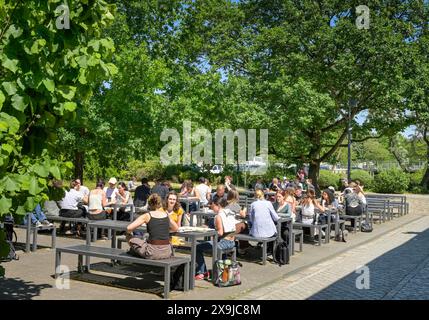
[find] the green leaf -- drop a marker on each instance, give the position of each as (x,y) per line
(82,77)
(5,205)
(2,99)
(29,204)
(67,92)
(55,172)
(9,184)
(21,210)
(7,147)
(108,43)
(14,31)
(41,170)
(11,64)
(34,186)
(37,45)
(18,102)
(10,87)
(49,84)
(70,106)
(69,164)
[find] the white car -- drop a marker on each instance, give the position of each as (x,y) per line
(216,169)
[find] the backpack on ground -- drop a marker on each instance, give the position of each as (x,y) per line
(10,235)
(365,227)
(281,253)
(177,280)
(227,273)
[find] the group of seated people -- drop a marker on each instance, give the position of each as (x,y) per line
(164,213)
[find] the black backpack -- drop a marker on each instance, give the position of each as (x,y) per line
(281,253)
(10,234)
(365,227)
(177,279)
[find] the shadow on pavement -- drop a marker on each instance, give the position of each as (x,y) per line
(18,289)
(385,273)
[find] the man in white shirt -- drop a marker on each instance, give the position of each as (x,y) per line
(111,190)
(69,205)
(204,191)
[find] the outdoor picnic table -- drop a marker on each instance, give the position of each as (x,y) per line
(113,225)
(116,225)
(282,219)
(193,236)
(187,201)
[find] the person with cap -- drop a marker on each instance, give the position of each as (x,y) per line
(111,190)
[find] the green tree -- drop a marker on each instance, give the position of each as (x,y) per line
(45,76)
(306,61)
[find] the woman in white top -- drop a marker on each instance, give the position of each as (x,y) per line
(123,198)
(97,201)
(309,204)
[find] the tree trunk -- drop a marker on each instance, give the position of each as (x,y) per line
(313,174)
(425,181)
(78,165)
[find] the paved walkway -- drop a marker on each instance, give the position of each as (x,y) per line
(397,265)
(317,272)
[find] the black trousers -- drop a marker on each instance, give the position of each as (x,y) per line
(69,213)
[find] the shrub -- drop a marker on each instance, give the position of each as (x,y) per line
(188,175)
(391,181)
(364,177)
(328,178)
(416,178)
(151,169)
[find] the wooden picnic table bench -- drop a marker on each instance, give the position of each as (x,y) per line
(121,255)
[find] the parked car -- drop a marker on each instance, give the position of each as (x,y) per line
(216,169)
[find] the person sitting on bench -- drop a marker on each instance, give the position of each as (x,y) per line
(97,201)
(262,218)
(355,202)
(309,204)
(225,227)
(159,225)
(69,206)
(38,218)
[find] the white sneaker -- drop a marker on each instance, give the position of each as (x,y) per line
(38,224)
(46,223)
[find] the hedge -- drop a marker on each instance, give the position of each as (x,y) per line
(328,178)
(364,177)
(391,181)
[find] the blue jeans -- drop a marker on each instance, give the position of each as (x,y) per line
(35,216)
(208,246)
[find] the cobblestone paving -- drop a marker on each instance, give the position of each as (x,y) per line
(398,265)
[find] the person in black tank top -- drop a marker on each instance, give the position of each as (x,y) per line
(158,225)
